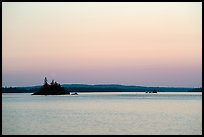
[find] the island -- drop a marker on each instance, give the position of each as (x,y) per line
(154,91)
(53,88)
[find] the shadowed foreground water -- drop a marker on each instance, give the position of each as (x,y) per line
(103,113)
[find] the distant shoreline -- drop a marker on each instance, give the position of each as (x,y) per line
(82,88)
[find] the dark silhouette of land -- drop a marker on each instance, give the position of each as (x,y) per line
(56,89)
(53,89)
(154,91)
(15,90)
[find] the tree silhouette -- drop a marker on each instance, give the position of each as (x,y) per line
(45,81)
(53,89)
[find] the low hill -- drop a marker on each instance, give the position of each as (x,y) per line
(121,88)
(103,88)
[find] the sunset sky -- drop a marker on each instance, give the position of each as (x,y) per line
(133,43)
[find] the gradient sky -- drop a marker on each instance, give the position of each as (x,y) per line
(146,44)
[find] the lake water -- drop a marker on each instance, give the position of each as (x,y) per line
(102,113)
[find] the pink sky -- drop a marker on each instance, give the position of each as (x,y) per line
(150,44)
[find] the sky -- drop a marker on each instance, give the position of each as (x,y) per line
(133,43)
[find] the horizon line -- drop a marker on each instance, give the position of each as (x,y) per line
(106,84)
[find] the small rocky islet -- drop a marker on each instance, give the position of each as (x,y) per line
(53,88)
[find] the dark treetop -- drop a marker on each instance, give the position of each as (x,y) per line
(51,89)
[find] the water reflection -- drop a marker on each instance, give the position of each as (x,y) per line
(102,113)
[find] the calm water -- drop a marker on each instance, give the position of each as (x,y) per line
(102,113)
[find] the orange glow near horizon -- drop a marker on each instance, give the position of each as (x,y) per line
(133,43)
